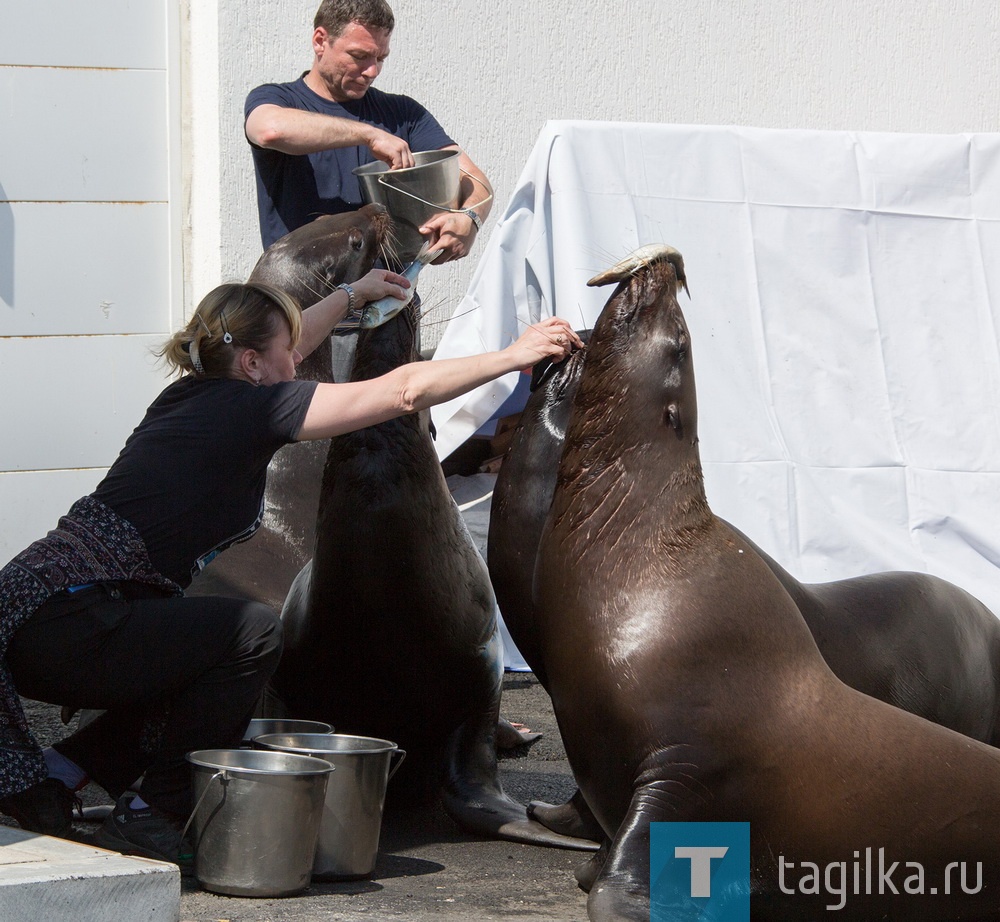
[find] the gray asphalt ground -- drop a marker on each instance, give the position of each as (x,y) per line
(426,869)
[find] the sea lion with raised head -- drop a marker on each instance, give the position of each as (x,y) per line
(685,681)
(391,629)
(914,640)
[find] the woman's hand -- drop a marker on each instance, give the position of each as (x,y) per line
(380,283)
(319,320)
(552,338)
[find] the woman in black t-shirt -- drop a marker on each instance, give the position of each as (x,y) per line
(93,615)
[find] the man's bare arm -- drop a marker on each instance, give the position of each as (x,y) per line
(293,131)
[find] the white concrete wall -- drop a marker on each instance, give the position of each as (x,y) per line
(89,242)
(494,72)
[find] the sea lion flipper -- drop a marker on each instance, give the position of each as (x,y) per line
(512,736)
(587,872)
(484,809)
(474,798)
(531,832)
(621,889)
(573,818)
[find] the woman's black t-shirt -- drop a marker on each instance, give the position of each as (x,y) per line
(191,476)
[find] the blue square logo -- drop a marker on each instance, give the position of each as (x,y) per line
(699,872)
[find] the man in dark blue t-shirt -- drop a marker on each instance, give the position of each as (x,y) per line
(309,135)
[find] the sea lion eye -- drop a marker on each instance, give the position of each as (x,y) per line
(672,417)
(357,240)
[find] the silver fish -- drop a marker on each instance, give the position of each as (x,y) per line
(378,312)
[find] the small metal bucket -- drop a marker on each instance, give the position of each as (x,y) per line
(352,814)
(261,725)
(414,194)
(256,820)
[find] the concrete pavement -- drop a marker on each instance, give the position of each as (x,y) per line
(55,880)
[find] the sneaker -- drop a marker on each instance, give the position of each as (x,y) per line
(45,808)
(147,832)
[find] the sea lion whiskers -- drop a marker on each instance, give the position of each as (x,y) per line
(635,262)
(319,295)
(428,308)
(435,323)
(599,256)
(389,247)
(642,259)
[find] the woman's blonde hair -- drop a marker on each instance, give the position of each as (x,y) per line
(231,316)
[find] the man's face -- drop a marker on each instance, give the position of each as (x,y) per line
(348,63)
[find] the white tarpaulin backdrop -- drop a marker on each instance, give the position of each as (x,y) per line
(844,314)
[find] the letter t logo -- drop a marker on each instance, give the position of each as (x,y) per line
(701,865)
(699,871)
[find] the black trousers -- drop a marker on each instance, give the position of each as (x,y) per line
(172,674)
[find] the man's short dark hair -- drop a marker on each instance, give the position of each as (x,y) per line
(336,15)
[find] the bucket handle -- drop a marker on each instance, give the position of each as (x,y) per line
(219,774)
(395,768)
(488,198)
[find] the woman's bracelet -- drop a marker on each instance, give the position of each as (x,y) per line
(350,295)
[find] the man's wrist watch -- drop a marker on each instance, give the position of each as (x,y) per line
(478,221)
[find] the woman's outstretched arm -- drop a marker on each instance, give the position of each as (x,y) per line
(339,408)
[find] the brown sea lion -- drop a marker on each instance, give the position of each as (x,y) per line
(308,263)
(391,629)
(911,639)
(685,681)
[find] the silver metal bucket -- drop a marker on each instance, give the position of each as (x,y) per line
(256,820)
(414,194)
(261,725)
(355,796)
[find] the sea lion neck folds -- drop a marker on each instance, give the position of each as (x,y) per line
(635,404)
